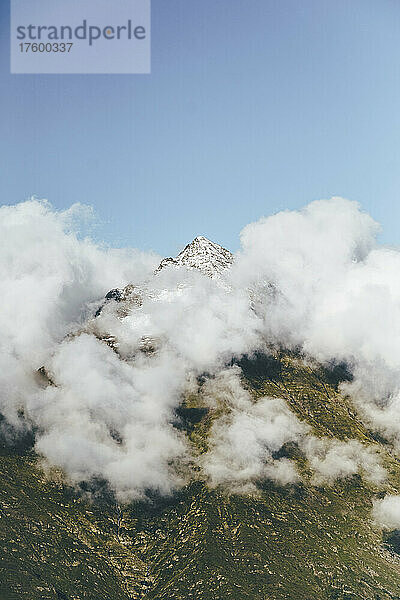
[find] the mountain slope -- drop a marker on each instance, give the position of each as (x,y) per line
(307,540)
(298,542)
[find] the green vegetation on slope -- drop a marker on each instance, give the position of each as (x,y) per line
(298,542)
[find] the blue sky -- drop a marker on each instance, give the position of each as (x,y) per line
(252,106)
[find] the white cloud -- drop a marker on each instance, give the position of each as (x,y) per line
(386,512)
(322,283)
(317,279)
(242,442)
(332,459)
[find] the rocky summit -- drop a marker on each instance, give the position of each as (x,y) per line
(201,255)
(209,258)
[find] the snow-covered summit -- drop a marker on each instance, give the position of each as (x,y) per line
(202,254)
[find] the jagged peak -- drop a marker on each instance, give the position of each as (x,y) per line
(202,254)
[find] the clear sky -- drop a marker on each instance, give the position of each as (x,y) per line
(252,106)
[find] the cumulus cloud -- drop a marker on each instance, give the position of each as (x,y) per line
(321,283)
(314,279)
(386,512)
(47,277)
(195,317)
(243,442)
(106,415)
(108,419)
(334,459)
(193,327)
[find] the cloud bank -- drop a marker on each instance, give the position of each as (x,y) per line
(314,279)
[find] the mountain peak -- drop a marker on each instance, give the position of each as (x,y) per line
(202,254)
